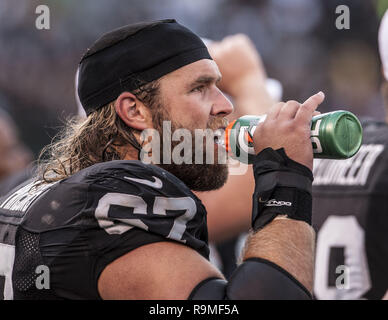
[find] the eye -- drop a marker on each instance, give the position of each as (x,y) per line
(199,88)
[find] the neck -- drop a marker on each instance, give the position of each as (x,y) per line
(130,154)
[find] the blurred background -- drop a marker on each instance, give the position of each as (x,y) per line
(298,42)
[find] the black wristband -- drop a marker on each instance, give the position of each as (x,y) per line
(283,187)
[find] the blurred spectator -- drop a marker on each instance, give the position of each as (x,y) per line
(354,73)
(14,155)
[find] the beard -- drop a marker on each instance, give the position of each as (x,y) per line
(197,176)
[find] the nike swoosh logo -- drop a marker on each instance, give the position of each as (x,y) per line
(157,184)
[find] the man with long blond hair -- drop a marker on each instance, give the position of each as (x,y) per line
(107,225)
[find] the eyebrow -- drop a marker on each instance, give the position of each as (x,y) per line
(204,80)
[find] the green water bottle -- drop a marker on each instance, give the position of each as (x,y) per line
(334,135)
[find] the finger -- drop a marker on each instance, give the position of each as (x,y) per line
(316,113)
(307,109)
(289,110)
(274,110)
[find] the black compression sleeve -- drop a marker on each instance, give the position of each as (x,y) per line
(255,279)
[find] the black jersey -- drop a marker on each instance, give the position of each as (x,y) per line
(350,212)
(75,227)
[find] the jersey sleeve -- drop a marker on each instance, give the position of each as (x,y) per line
(150,199)
(138,205)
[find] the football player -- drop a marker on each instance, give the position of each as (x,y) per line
(350,212)
(105,225)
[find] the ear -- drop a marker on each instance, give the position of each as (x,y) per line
(133,112)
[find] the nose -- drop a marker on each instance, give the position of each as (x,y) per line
(222,106)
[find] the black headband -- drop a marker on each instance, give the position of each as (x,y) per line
(139,52)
